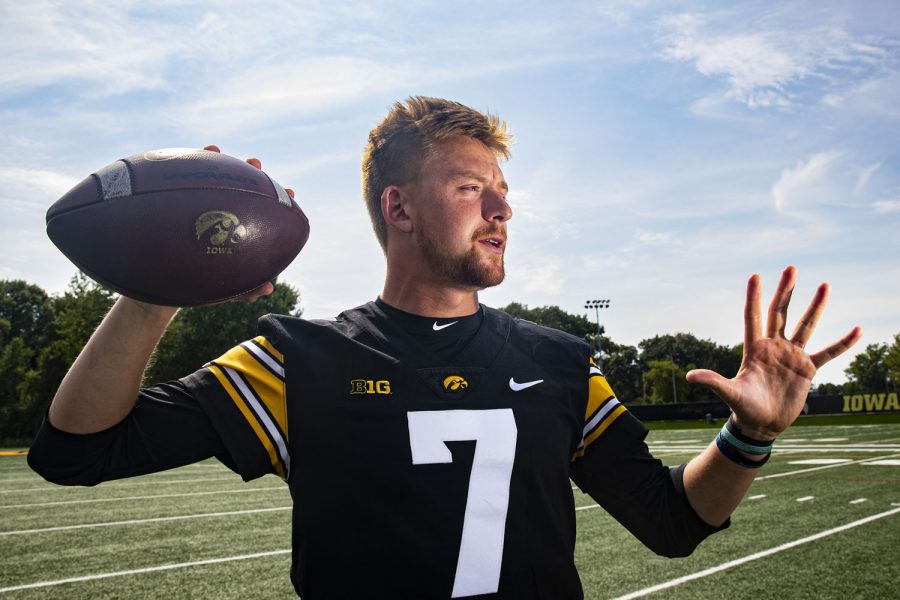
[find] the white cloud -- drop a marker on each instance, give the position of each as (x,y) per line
(107,49)
(652,237)
(266,93)
(804,183)
(865,175)
(543,276)
(33,189)
(886,206)
(762,67)
(598,264)
(55,43)
(619,12)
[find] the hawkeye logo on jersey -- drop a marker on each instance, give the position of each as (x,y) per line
(455,383)
(370,386)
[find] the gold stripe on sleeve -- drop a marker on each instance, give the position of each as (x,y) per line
(615,414)
(268,346)
(250,417)
(269,388)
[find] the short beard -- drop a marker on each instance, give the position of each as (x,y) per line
(462,270)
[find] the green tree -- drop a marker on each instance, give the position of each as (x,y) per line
(623,369)
(26,326)
(555,317)
(200,334)
(59,339)
(868,371)
(687,349)
(77,313)
(620,364)
(830,389)
(16,360)
(665,382)
(25,313)
(688,352)
(892,362)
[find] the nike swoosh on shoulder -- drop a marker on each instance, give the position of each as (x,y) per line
(437,327)
(518,387)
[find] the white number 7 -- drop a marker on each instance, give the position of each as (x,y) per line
(484,524)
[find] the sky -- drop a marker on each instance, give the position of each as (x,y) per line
(665,151)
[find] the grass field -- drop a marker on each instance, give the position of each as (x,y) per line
(829,528)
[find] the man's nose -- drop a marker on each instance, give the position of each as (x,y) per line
(495,207)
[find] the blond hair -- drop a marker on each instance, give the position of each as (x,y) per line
(399,146)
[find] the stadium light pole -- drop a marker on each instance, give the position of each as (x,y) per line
(597,305)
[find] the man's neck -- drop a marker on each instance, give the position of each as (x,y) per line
(430,300)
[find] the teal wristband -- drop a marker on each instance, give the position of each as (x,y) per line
(750,445)
(743,446)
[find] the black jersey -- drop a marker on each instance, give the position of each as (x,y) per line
(413,475)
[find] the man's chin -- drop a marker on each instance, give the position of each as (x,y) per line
(483,277)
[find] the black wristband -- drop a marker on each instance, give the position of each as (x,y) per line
(734,430)
(734,455)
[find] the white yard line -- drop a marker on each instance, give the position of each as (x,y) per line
(109,486)
(806,498)
(587,507)
(756,556)
(186,494)
(786,449)
(819,461)
(890,440)
(196,563)
(855,462)
(143,521)
(839,448)
(756,497)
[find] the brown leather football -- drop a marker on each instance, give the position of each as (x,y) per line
(179,227)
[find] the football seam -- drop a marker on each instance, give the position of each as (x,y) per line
(101,200)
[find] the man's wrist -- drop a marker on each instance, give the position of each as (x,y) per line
(742,449)
(759,435)
(148,312)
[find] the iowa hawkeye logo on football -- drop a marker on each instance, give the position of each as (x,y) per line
(224,231)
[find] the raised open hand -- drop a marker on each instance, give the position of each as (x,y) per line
(769,390)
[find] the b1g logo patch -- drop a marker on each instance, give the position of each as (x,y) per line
(222,229)
(455,383)
(370,386)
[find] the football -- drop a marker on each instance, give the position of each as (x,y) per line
(179,227)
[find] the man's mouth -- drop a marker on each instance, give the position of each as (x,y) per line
(494,243)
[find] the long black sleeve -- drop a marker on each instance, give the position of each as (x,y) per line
(166,429)
(642,494)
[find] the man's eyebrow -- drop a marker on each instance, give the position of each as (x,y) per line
(478,177)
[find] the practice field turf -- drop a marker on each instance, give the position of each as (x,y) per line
(822,521)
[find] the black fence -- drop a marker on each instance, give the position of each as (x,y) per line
(836,404)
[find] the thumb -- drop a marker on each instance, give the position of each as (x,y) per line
(712,380)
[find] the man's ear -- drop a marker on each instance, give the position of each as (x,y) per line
(394,204)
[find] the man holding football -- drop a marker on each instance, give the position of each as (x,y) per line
(428,440)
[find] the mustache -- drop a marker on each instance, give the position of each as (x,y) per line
(496,231)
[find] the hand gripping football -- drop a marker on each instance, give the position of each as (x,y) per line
(179,227)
